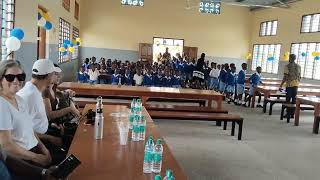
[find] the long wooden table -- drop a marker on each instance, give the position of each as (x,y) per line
(276,84)
(107,159)
(144,92)
(314,101)
(268,90)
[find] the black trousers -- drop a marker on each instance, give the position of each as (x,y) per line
(291,95)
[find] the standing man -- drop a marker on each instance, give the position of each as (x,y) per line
(292,76)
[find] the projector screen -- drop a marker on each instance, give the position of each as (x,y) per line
(133,2)
(210,6)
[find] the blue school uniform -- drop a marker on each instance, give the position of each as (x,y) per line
(82,77)
(255,80)
(241,79)
(176,81)
(222,80)
(128,79)
(166,81)
(148,80)
(158,80)
(115,79)
(231,82)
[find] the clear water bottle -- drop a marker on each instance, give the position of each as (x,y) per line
(135,129)
(98,124)
(142,128)
(169,175)
(157,177)
(138,105)
(157,157)
(133,103)
(148,156)
(131,118)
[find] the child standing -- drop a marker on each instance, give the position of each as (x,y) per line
(93,74)
(231,82)
(82,77)
(176,80)
(128,80)
(148,79)
(116,77)
(255,80)
(241,84)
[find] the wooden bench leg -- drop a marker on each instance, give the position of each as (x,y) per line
(225,123)
(282,112)
(218,123)
(233,128)
(270,109)
(240,129)
(265,102)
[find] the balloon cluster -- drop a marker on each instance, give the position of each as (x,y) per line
(44,20)
(248,56)
(286,56)
(69,46)
(316,55)
(13,43)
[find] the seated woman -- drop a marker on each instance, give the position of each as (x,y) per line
(16,129)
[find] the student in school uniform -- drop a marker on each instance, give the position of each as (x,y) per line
(167,80)
(82,76)
(93,74)
(241,79)
(222,78)
(116,77)
(158,78)
(231,84)
(176,79)
(86,64)
(138,78)
(128,79)
(206,71)
(214,76)
(255,80)
(148,79)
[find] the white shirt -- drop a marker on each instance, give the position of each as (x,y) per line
(19,122)
(33,97)
(138,79)
(214,73)
(93,75)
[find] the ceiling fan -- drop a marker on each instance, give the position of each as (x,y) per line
(191,4)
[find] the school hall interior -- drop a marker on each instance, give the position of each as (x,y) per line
(160,89)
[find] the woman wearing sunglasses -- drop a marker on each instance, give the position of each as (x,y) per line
(16,128)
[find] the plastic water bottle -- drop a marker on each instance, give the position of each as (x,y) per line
(157,177)
(98,124)
(133,103)
(157,157)
(131,118)
(135,129)
(142,128)
(169,175)
(148,156)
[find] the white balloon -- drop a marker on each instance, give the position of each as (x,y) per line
(13,43)
(42,22)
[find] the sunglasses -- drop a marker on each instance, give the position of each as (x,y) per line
(11,77)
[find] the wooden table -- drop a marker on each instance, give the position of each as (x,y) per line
(314,101)
(277,84)
(144,92)
(107,159)
(268,90)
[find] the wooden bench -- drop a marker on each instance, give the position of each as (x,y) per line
(272,101)
(291,109)
(166,107)
(203,117)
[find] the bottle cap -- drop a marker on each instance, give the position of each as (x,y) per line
(157,177)
(169,173)
(150,137)
(158,141)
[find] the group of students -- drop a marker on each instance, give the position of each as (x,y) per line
(34,136)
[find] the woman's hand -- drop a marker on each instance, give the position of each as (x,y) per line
(70,92)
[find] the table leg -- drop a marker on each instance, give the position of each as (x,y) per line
(297,113)
(253,100)
(219,103)
(316,123)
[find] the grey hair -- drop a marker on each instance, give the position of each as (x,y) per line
(5,65)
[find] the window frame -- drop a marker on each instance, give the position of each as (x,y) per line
(8,30)
(264,71)
(272,23)
(75,29)
(301,25)
(303,71)
(61,59)
(76,10)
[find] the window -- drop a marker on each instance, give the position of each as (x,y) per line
(64,34)
(66,4)
(268,28)
(76,10)
(7,23)
(308,64)
(261,54)
(75,34)
(310,23)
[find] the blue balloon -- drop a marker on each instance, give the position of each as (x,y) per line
(65,53)
(78,43)
(39,16)
(304,54)
(67,42)
(71,44)
(18,33)
(65,46)
(317,58)
(48,25)
(270,58)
